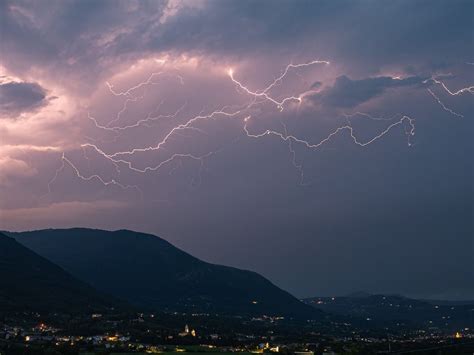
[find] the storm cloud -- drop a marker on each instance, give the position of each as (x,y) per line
(19,97)
(349,93)
(296,139)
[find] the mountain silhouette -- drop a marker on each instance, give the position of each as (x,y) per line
(397,309)
(29,282)
(148,271)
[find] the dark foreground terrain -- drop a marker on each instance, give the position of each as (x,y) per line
(82,291)
(114,333)
(121,330)
(148,272)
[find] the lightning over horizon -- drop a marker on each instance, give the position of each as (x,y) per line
(333,135)
(118,157)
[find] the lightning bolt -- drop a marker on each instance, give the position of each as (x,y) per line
(366,115)
(124,108)
(293,66)
(438,100)
(464,90)
(298,167)
(144,121)
(55,176)
(264,93)
(468,89)
(96,177)
(183,126)
(290,139)
(242,113)
(129,91)
(337,131)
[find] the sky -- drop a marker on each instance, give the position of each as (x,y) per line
(324,144)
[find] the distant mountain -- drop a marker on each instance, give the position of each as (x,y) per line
(29,282)
(397,309)
(359,294)
(150,272)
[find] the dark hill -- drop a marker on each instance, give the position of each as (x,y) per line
(29,282)
(150,272)
(397,309)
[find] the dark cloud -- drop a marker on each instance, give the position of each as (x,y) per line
(19,97)
(349,93)
(96,34)
(366,34)
(78,39)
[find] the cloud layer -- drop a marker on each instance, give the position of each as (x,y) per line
(250,133)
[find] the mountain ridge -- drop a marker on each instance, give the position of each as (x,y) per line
(148,271)
(390,308)
(31,282)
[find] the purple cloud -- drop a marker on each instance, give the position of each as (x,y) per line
(20,97)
